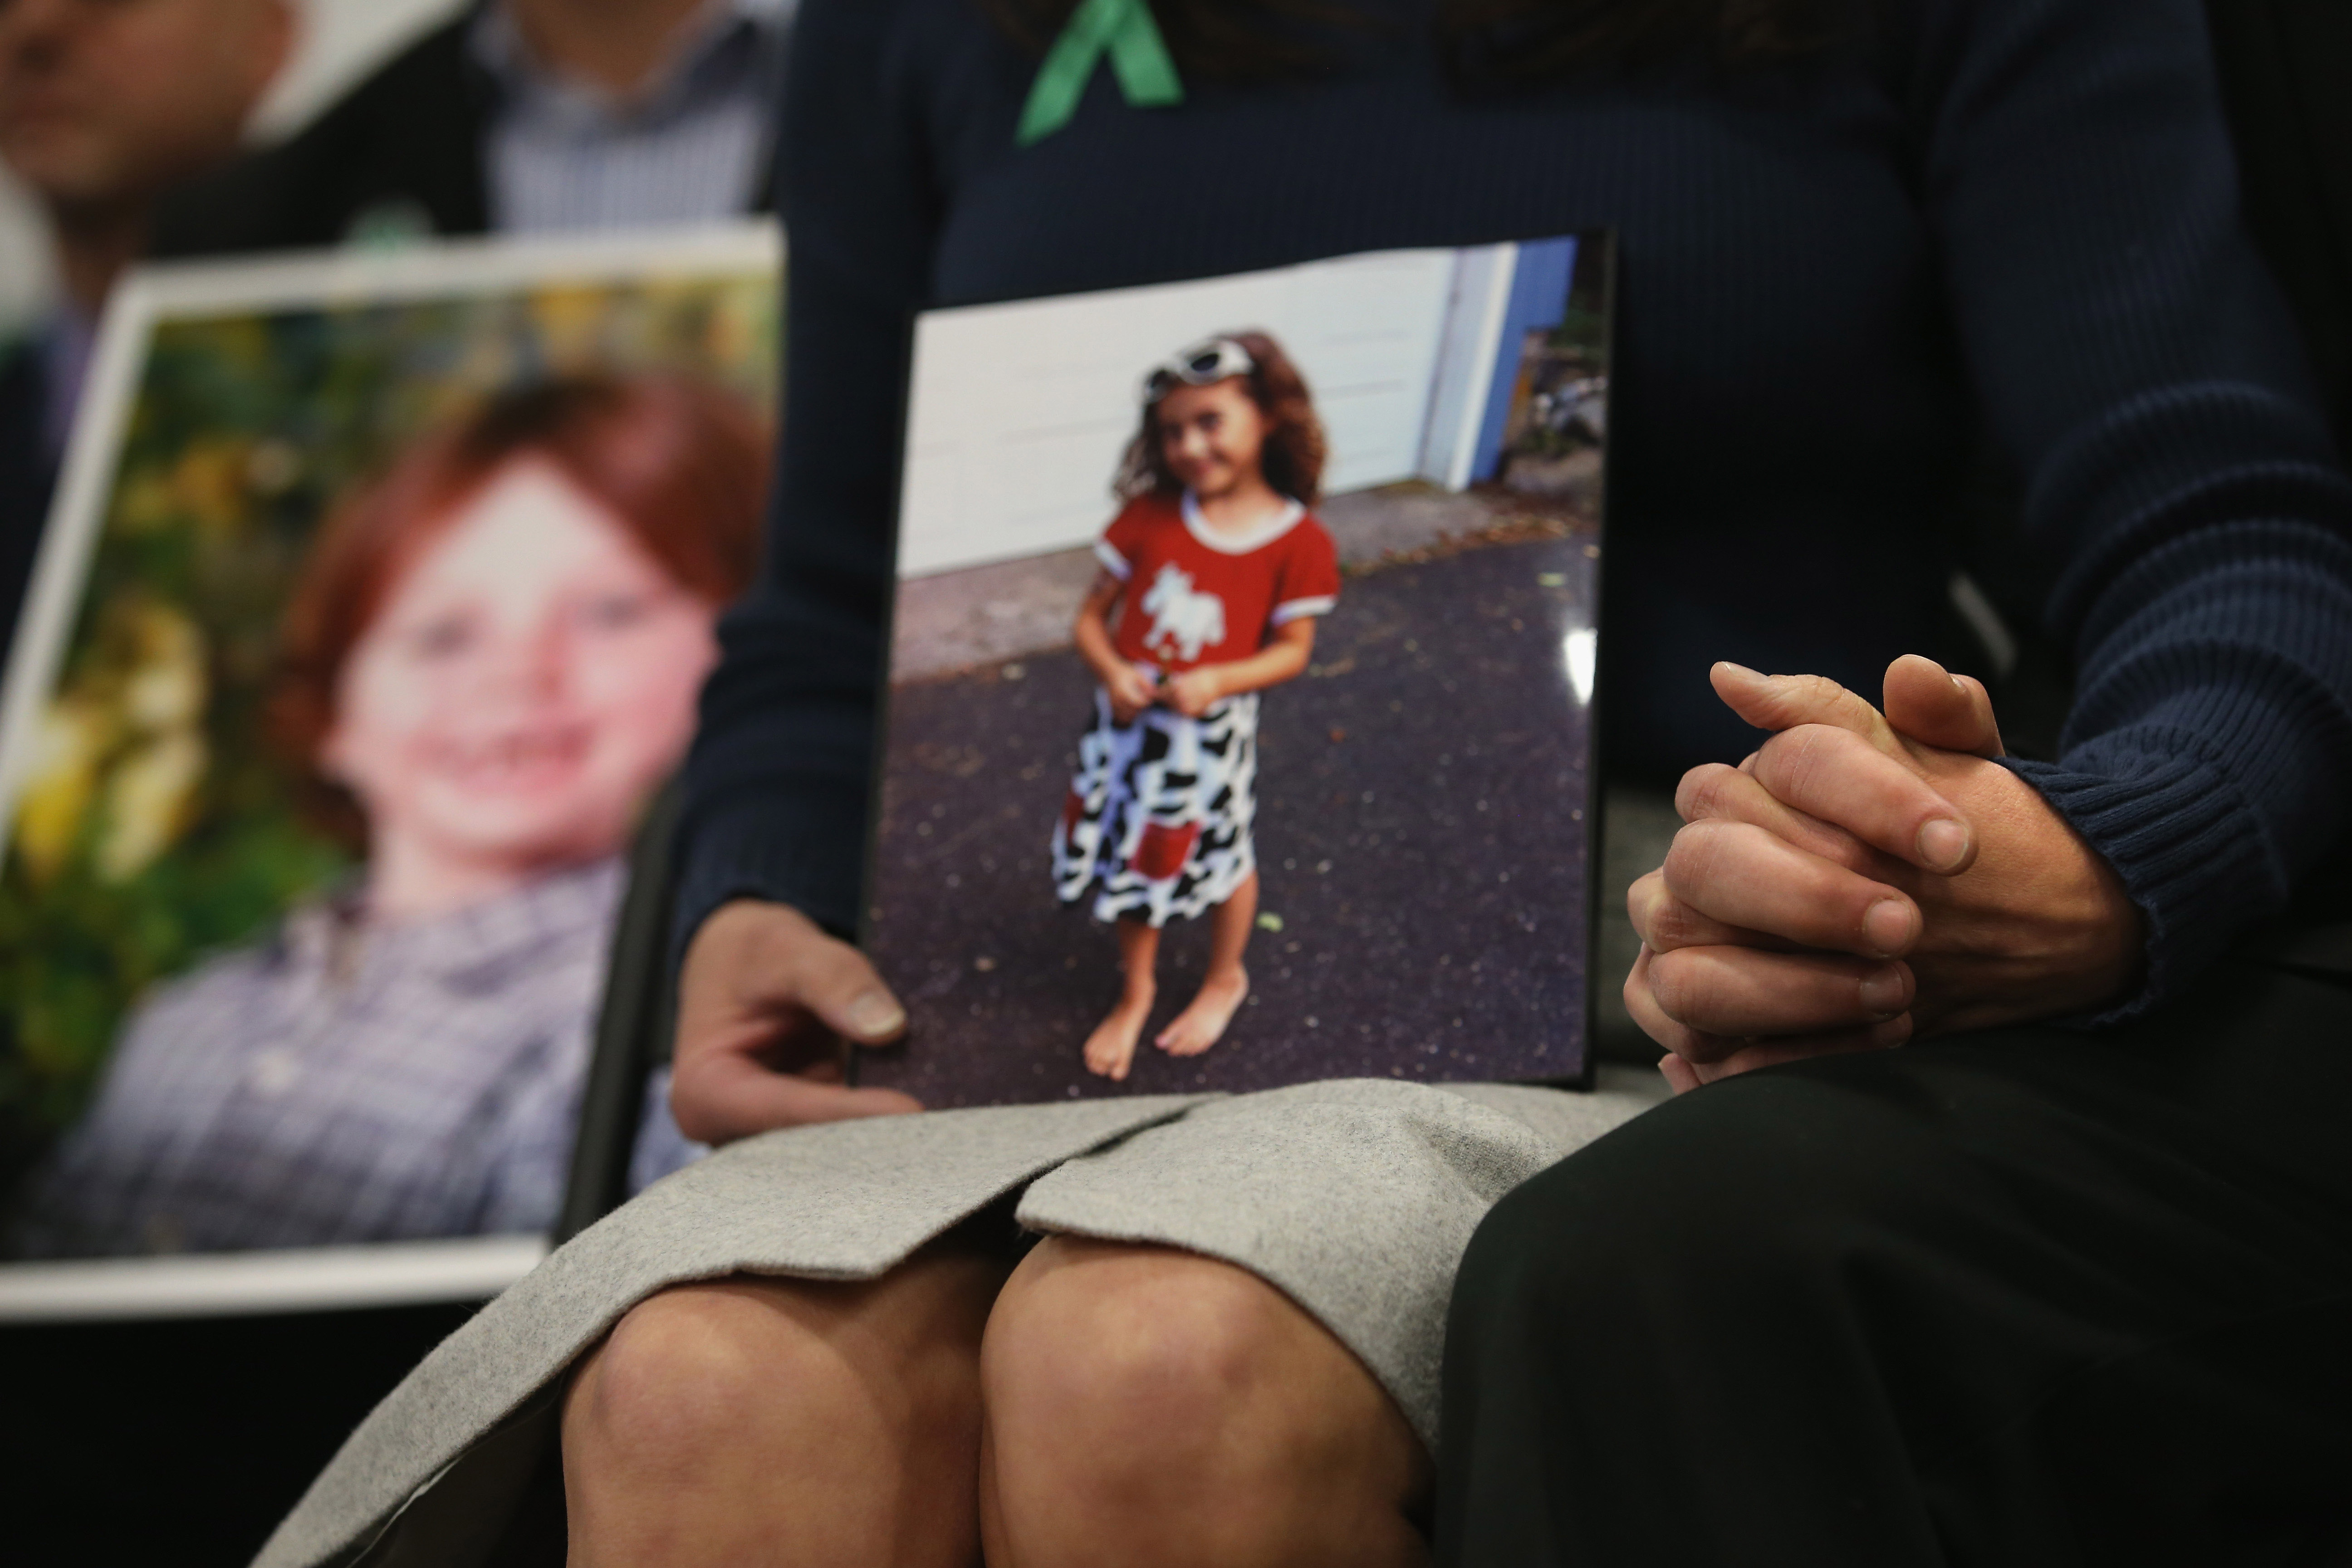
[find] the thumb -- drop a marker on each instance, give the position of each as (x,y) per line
(1779,703)
(838,985)
(1936,707)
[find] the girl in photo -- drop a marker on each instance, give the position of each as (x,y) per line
(1213,575)
(488,664)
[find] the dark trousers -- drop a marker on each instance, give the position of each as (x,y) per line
(2029,1297)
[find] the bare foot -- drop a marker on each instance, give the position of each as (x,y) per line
(1199,1026)
(1111,1047)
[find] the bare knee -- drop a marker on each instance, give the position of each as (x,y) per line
(1111,1338)
(716,1416)
(698,1367)
(687,1368)
(1147,1390)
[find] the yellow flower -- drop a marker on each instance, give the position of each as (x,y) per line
(143,504)
(149,799)
(66,751)
(167,687)
(209,484)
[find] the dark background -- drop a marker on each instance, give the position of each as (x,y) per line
(1422,807)
(182,1442)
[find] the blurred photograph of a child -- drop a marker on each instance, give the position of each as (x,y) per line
(368,628)
(487,665)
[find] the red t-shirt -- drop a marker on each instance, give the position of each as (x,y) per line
(1194,596)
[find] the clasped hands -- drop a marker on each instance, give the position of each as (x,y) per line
(1132,690)
(1863,880)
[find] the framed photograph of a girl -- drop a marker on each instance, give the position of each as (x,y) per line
(374,614)
(1272,765)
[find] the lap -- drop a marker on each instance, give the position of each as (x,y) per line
(1060,1303)
(1067,1317)
(1353,1200)
(2206,1139)
(738,1340)
(2006,1278)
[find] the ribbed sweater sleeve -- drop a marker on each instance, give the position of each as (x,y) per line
(2136,362)
(775,787)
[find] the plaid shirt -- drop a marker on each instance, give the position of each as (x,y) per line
(341,1083)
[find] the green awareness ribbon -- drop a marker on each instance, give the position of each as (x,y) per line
(1139,58)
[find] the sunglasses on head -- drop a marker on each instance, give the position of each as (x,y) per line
(1199,365)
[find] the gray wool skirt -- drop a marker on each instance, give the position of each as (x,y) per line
(1356,1198)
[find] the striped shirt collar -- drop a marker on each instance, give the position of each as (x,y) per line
(722,52)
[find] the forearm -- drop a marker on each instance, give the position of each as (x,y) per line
(2211,793)
(774,800)
(774,794)
(1092,634)
(2211,746)
(2138,365)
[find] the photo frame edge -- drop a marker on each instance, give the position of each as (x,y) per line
(435,268)
(70,537)
(290,1279)
(302,1277)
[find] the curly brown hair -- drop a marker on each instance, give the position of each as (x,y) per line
(1295,448)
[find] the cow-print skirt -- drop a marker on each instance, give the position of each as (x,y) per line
(1158,818)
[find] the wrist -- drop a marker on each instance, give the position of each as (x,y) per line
(2184,836)
(2039,927)
(745,924)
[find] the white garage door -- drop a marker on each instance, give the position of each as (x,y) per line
(1020,411)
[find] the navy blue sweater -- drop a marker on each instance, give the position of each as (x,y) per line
(2012,221)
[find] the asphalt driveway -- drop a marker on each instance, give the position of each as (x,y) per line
(1421,838)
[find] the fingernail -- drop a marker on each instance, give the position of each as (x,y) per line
(1886,925)
(1740,671)
(873,1013)
(1943,842)
(1882,992)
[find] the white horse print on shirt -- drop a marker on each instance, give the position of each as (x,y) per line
(1184,621)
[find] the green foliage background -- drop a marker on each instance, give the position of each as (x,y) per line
(160,828)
